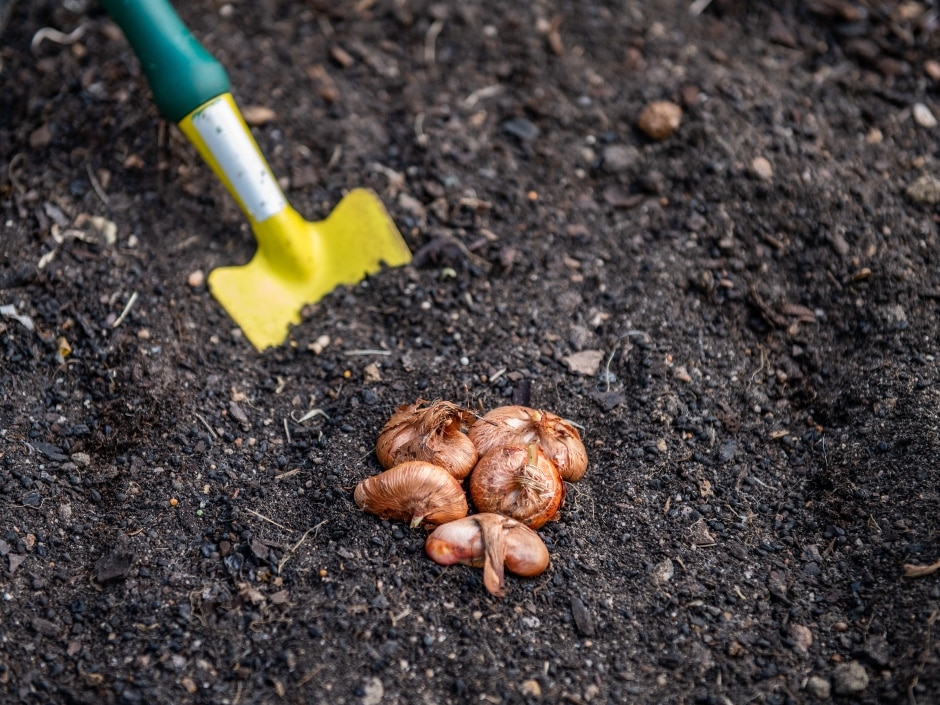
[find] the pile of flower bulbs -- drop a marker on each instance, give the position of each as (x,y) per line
(514,460)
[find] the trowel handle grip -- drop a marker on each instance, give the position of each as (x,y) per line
(181,73)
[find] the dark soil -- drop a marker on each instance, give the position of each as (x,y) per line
(762,428)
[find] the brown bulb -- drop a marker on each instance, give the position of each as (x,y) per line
(414,492)
(520,426)
(428,431)
(518,482)
(490,541)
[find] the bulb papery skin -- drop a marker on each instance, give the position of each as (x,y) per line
(520,425)
(492,541)
(414,492)
(518,482)
(430,432)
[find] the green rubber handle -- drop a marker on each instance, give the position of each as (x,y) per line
(181,73)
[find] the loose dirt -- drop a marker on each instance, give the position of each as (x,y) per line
(742,318)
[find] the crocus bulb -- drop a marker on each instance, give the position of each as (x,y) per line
(490,541)
(520,426)
(428,431)
(518,482)
(414,492)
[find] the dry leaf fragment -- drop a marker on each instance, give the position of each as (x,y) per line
(700,534)
(250,594)
(585,362)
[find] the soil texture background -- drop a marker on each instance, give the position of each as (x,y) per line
(741,317)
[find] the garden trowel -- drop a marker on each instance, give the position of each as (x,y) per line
(297,262)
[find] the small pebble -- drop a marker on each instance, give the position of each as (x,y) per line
(932,69)
(849,678)
(531,688)
(258,115)
(319,345)
(519,127)
(802,637)
(925,190)
(40,137)
(762,169)
(818,687)
(196,279)
(923,116)
(660,119)
(618,157)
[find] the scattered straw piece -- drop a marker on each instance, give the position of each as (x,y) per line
(919,571)
(55,36)
(270,521)
(127,309)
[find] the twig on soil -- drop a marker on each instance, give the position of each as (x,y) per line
(919,571)
(96,185)
(761,483)
(334,158)
(396,179)
(577,425)
(396,618)
(485,92)
(326,27)
(206,424)
(11,173)
(640,334)
(127,309)
(430,39)
(287,431)
(293,549)
(367,352)
(308,676)
(270,521)
(607,367)
(183,244)
(55,36)
(420,137)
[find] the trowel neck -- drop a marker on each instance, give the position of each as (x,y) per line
(223,140)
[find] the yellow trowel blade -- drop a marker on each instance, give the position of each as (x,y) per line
(299,262)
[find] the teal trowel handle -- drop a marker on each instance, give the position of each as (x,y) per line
(181,73)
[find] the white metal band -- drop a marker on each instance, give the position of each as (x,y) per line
(237,156)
